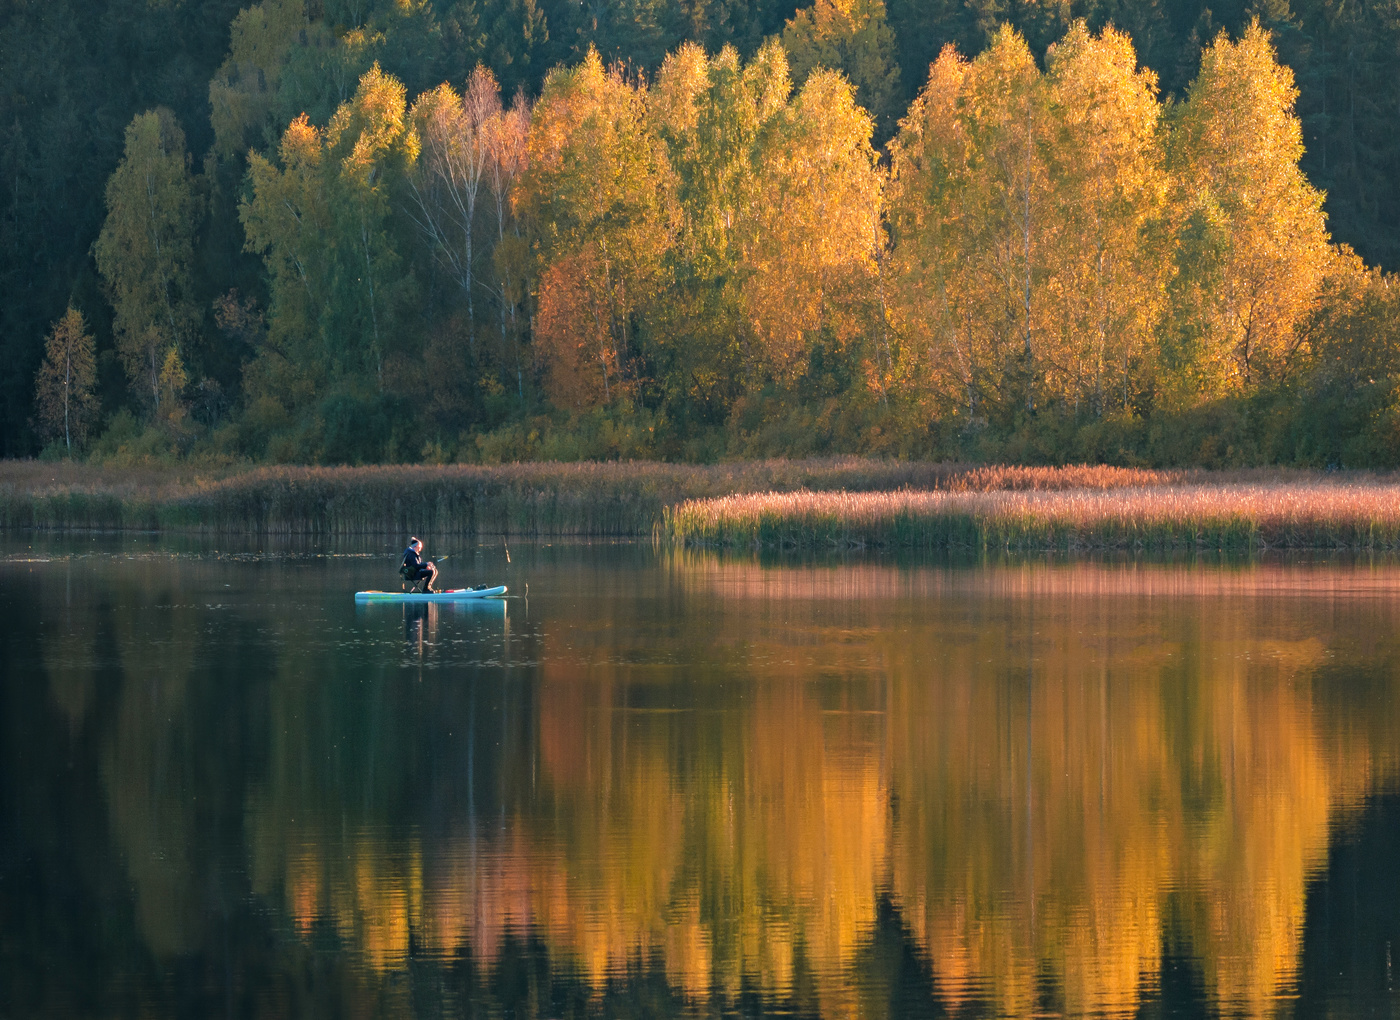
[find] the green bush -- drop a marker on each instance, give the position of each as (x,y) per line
(359,429)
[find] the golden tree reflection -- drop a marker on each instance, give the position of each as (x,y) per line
(1050,773)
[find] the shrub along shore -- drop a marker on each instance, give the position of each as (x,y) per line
(830,503)
(1301,513)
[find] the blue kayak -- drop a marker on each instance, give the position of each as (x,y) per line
(450,595)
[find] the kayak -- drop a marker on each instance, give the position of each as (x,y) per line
(450,595)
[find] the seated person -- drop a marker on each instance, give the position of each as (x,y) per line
(414,569)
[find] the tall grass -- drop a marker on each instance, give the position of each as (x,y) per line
(603,499)
(906,503)
(1305,513)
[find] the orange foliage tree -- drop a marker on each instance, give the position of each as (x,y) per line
(591,193)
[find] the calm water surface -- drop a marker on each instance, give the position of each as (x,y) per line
(681,784)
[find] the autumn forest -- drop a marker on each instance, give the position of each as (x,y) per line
(357,231)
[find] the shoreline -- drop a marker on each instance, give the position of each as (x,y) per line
(832,503)
(588,499)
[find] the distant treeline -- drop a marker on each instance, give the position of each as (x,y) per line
(392,232)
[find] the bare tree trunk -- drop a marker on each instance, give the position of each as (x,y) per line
(962,354)
(1026,230)
(160,263)
(155,379)
(602,353)
(373,312)
(884,313)
(499,191)
(971,367)
(67,389)
(1101,335)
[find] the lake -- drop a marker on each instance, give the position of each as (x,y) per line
(657,783)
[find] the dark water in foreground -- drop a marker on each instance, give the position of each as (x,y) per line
(680,784)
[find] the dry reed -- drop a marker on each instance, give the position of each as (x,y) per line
(603,499)
(1309,513)
(629,499)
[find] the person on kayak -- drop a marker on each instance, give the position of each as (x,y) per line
(414,569)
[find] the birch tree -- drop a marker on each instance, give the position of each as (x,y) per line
(934,215)
(708,114)
(370,148)
(64,400)
(1253,244)
(1106,265)
(145,249)
(853,37)
(811,242)
(454,137)
(507,140)
(591,188)
(287,220)
(970,220)
(323,223)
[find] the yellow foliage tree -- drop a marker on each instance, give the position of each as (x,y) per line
(63,392)
(1252,238)
(591,192)
(851,36)
(812,239)
(1056,243)
(1105,265)
(774,205)
(709,115)
(969,212)
(931,209)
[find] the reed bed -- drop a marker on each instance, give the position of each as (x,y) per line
(548,499)
(1226,515)
(543,499)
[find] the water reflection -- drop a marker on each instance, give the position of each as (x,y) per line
(757,785)
(421,621)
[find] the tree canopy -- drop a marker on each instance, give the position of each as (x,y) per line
(516,228)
